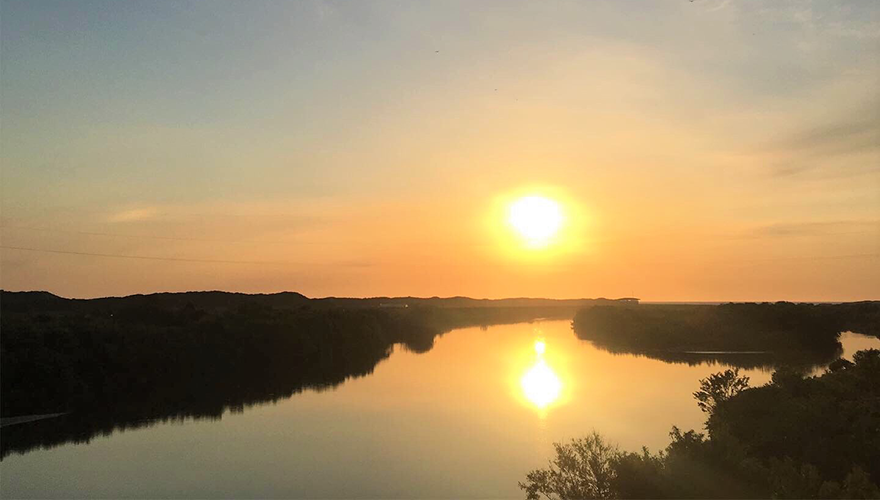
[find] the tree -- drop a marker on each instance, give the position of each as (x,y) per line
(858,485)
(582,469)
(718,388)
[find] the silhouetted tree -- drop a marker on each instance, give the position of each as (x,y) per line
(718,388)
(582,469)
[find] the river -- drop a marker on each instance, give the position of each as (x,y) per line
(466,419)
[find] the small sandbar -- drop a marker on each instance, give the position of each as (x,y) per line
(727,352)
(26,418)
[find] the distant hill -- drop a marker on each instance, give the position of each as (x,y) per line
(216,300)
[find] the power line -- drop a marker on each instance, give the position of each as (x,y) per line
(143,257)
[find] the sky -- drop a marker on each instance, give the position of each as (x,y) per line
(699,150)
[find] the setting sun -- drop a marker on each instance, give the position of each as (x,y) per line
(536,218)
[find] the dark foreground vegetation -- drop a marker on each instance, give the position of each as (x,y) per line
(128,362)
(765,334)
(816,437)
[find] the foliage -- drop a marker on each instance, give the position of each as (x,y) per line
(831,422)
(582,469)
(718,388)
(686,469)
(795,437)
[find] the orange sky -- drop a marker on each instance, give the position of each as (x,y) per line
(701,150)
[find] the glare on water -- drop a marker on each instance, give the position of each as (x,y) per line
(540,384)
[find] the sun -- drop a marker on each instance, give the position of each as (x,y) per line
(535,218)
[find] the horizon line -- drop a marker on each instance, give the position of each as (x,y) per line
(414,297)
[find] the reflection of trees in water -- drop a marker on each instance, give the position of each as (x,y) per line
(81,426)
(179,403)
(174,364)
(804,361)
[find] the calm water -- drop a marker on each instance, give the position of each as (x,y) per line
(467,419)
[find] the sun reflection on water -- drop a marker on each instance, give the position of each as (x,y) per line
(540,384)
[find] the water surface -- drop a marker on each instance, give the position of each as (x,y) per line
(466,419)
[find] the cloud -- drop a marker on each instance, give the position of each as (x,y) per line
(818,228)
(866,31)
(840,148)
(137,214)
(355,263)
(720,5)
(324,9)
(835,137)
(855,20)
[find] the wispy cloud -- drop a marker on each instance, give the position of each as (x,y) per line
(835,137)
(818,228)
(718,6)
(853,20)
(840,148)
(132,215)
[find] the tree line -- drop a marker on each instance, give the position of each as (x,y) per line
(771,333)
